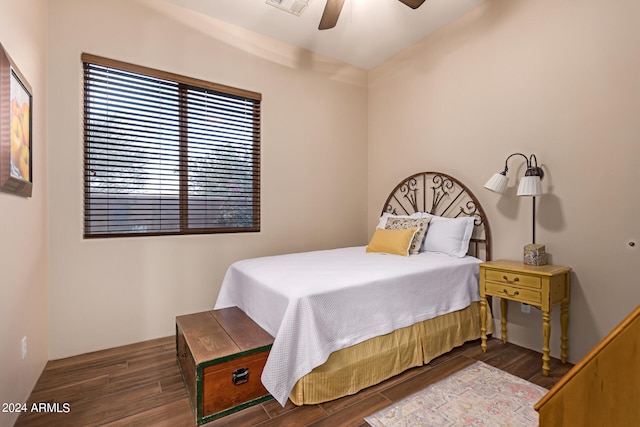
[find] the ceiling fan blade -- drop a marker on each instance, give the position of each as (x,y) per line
(413,4)
(331,13)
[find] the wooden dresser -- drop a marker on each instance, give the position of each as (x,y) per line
(604,388)
(221,354)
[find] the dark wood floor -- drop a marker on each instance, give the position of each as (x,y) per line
(140,385)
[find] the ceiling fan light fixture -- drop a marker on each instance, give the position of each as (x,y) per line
(295,7)
(332,9)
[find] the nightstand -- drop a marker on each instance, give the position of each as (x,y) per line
(542,286)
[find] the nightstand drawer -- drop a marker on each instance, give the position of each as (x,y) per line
(517,279)
(514,293)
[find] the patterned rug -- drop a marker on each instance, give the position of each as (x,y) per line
(478,395)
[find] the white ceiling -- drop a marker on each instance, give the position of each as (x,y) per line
(368,31)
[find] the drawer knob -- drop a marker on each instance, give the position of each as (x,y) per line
(516,293)
(515,279)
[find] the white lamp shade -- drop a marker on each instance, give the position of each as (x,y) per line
(497,183)
(530,186)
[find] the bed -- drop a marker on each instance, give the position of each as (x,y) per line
(349,318)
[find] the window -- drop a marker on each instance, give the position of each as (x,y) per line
(166,154)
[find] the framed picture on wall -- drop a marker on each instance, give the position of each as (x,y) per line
(15,129)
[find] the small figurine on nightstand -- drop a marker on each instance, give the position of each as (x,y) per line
(535,254)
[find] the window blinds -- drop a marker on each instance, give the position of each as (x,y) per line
(166,154)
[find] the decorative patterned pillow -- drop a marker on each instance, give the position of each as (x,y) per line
(385,216)
(395,242)
(403,223)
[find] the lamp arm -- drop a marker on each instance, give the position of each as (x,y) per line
(532,167)
(506,168)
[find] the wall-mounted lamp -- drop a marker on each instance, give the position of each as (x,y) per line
(530,185)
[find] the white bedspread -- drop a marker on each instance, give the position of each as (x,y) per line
(315,303)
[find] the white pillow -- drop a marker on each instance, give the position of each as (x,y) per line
(449,235)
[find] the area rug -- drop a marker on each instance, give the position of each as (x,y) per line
(478,395)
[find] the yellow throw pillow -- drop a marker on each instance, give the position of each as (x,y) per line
(403,223)
(395,242)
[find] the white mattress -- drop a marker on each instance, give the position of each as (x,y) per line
(315,303)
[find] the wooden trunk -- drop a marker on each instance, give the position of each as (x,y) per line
(221,354)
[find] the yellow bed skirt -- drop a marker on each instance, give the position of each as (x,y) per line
(360,366)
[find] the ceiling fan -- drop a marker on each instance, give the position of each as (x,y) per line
(333,7)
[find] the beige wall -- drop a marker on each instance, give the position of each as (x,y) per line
(23,221)
(554,78)
(109,292)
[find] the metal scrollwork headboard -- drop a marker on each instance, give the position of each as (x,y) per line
(440,194)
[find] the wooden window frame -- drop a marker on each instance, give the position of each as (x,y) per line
(184,84)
